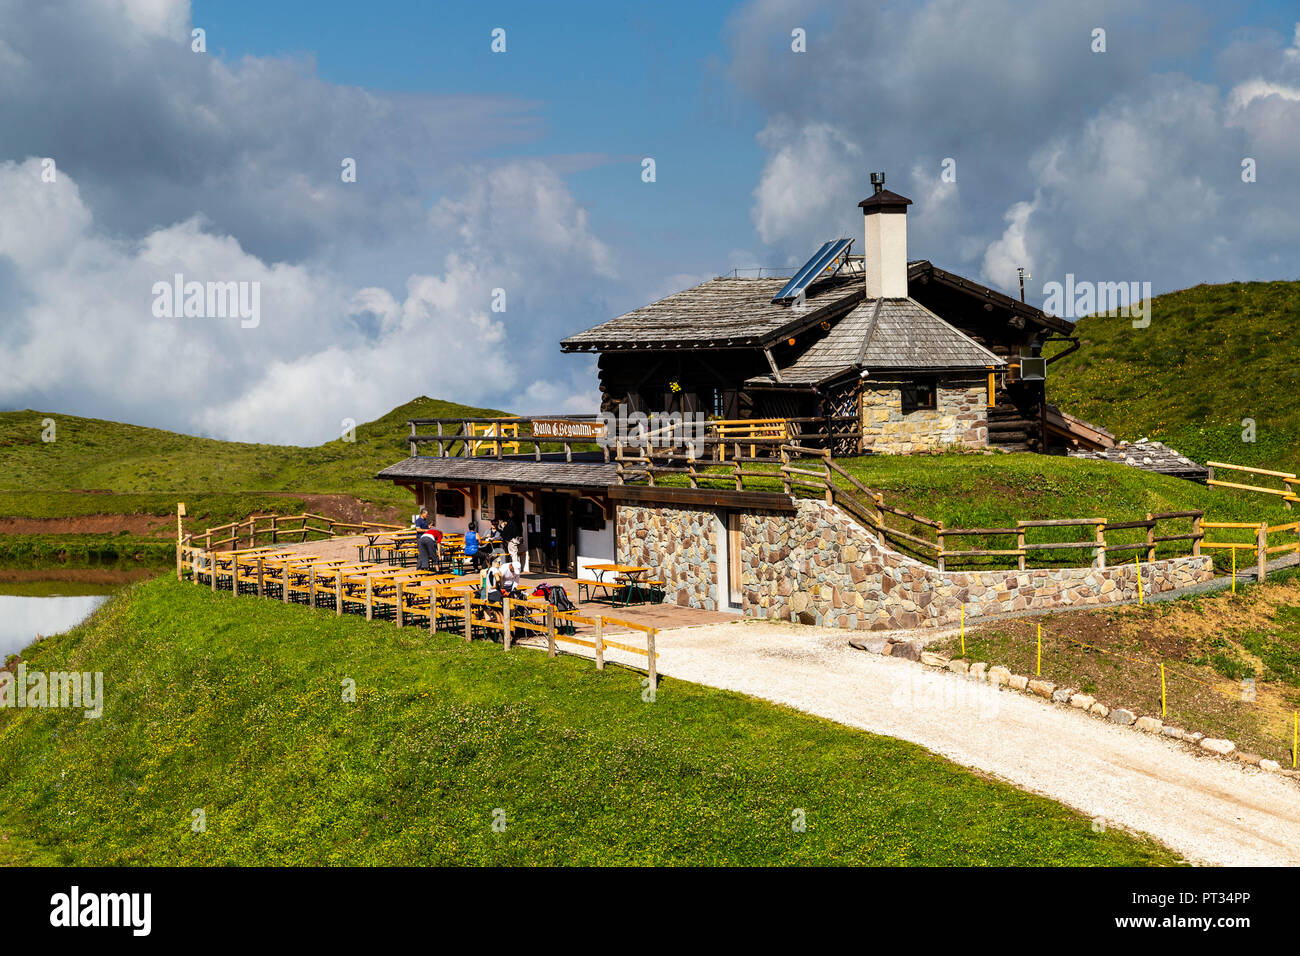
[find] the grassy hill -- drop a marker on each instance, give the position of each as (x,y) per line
(1212,356)
(234,707)
(99,467)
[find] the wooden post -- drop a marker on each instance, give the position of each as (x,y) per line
(261,587)
(198,563)
(826,465)
(1151,537)
(939,534)
(550,631)
(740,478)
(1020,545)
(284,584)
(370,598)
(399,603)
(311,586)
(1261,549)
(785,477)
(1197,531)
(338,592)
(600,642)
(275,529)
(505,622)
(212,565)
(469,617)
(179,574)
(650,653)
(1101,545)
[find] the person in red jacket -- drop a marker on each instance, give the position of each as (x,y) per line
(427,541)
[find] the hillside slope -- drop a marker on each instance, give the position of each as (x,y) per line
(1212,356)
(238,712)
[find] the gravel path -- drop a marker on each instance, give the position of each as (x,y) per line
(1209,809)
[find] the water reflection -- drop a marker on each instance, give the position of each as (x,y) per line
(22,618)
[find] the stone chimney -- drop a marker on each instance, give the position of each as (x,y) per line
(885,253)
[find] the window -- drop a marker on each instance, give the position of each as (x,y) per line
(918,396)
(723,404)
(450,504)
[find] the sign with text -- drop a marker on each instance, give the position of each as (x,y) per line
(568,428)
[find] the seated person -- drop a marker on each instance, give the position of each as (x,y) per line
(427,541)
(472,546)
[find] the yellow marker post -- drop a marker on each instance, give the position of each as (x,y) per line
(1039,672)
(1163,710)
(1137,564)
(963,630)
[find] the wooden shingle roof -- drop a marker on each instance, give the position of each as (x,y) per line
(505,471)
(884,335)
(728,312)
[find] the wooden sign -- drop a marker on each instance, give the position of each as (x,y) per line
(568,428)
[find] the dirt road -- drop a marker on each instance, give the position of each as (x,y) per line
(1207,808)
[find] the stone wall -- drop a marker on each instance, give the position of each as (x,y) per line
(680,545)
(959,419)
(821,567)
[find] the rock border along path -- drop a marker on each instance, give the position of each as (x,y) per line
(1209,809)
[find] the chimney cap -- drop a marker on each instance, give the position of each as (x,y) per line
(883,200)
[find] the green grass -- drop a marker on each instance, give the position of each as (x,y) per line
(234,706)
(1212,356)
(128,460)
(1209,644)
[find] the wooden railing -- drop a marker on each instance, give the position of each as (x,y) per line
(278,529)
(404,596)
(1286,492)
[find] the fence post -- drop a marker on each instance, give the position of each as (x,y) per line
(370,598)
(650,651)
(399,604)
(600,642)
(469,617)
(261,591)
(1261,549)
(179,575)
(740,480)
(338,592)
(939,534)
(826,468)
(311,586)
(275,529)
(433,608)
(1020,545)
(785,476)
(505,622)
(1197,534)
(284,584)
(550,631)
(1101,545)
(212,566)
(1151,537)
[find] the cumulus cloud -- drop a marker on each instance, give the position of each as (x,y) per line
(170,162)
(1116,165)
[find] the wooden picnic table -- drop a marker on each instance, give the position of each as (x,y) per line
(630,576)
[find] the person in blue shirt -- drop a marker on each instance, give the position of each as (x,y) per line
(471,545)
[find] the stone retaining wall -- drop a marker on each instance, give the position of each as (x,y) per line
(680,544)
(821,567)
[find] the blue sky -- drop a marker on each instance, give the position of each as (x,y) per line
(521,172)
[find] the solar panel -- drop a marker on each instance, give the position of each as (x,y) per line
(828,259)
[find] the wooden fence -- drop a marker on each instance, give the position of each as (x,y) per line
(405,596)
(804,471)
(279,529)
(1286,492)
